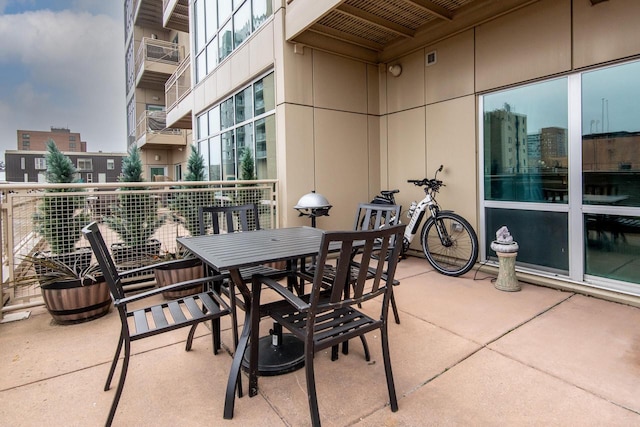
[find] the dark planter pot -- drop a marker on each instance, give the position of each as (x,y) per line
(81,259)
(71,302)
(181,271)
(132,255)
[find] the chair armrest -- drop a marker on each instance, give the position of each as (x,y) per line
(150,267)
(297,302)
(172,287)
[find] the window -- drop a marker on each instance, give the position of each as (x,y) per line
(26,145)
(40,163)
(570,186)
(243,122)
(26,136)
(89,177)
(72,146)
(221,26)
(111,164)
(23,164)
(85,164)
(72,138)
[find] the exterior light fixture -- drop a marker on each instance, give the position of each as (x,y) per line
(395,70)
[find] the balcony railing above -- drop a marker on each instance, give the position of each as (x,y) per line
(154,123)
(156,60)
(179,84)
(176,15)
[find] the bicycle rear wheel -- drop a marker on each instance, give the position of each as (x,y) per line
(456,252)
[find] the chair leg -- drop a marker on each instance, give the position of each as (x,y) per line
(311,387)
(234,372)
(192,331)
(393,400)
(123,376)
(396,316)
(365,347)
(112,370)
(215,335)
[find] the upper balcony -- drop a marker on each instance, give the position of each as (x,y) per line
(147,13)
(176,15)
(156,61)
(178,96)
(152,130)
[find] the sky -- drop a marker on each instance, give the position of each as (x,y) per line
(62,65)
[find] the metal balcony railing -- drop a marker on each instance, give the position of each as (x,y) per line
(154,122)
(173,204)
(179,84)
(160,51)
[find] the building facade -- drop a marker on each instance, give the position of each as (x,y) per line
(35,140)
(152,54)
(31,166)
(350,97)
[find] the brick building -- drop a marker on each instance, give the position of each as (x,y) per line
(35,140)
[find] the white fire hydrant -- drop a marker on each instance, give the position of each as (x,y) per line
(507,250)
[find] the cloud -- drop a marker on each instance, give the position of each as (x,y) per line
(69,69)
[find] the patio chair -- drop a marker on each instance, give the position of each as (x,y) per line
(231,219)
(327,317)
(369,216)
(139,323)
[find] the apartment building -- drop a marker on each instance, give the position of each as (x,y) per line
(153,53)
(350,97)
(36,140)
(31,166)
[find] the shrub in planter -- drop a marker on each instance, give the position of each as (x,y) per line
(186,203)
(60,214)
(135,215)
(70,295)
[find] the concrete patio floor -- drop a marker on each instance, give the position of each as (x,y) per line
(465,353)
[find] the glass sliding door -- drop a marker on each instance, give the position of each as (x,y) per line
(611,172)
(526,169)
(561,169)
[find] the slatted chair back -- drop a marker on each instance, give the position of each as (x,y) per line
(225,217)
(370,216)
(107,265)
(374,277)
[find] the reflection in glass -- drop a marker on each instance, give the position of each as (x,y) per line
(242,24)
(199,21)
(262,9)
(228,156)
(525,143)
(225,42)
(543,237)
(201,66)
(244,105)
(613,247)
(264,94)
(265,156)
(224,10)
(203,147)
(226,113)
(215,162)
(212,55)
(212,19)
(202,127)
(611,135)
(214,120)
(244,141)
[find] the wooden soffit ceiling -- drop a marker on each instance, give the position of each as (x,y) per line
(382,29)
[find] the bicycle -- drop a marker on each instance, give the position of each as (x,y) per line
(449,242)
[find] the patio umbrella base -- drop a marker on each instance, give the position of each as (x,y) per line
(287,356)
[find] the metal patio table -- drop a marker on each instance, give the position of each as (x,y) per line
(234,251)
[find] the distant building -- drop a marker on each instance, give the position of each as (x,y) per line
(35,140)
(30,166)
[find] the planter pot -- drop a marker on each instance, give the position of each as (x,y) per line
(81,259)
(70,302)
(181,271)
(133,255)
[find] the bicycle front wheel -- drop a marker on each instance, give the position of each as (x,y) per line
(450,244)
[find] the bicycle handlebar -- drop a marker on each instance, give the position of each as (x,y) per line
(434,184)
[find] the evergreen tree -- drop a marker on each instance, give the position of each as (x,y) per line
(187,203)
(60,218)
(135,217)
(246,165)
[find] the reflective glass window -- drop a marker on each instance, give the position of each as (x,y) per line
(244,105)
(241,24)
